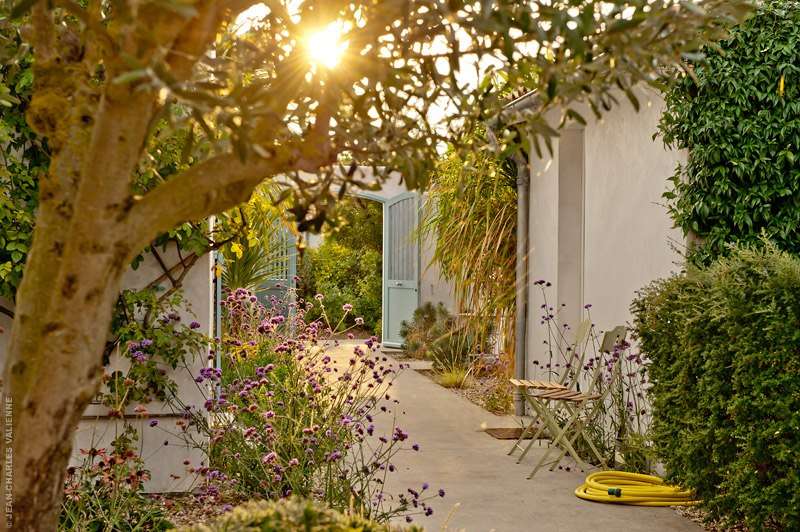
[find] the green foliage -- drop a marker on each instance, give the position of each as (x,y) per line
(500,399)
(24,158)
(105,492)
(726,383)
(471,215)
(739,119)
(347,266)
(358,224)
(429,323)
(290,515)
(255,253)
(152,337)
(451,351)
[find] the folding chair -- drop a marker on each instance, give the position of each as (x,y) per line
(548,403)
(525,386)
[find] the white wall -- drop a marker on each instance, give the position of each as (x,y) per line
(626,237)
(432,287)
(96,429)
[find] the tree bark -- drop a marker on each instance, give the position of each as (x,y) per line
(81,248)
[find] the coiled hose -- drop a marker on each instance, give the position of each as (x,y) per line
(621,487)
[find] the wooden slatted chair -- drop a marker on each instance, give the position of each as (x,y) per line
(525,386)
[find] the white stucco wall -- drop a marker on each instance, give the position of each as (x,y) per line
(432,287)
(164,451)
(627,238)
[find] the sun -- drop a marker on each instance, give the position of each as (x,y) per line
(325,47)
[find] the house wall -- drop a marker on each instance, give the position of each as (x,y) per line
(433,288)
(598,228)
(163,450)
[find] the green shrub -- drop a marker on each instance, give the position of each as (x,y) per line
(725,348)
(346,276)
(290,515)
(451,351)
(739,119)
(428,324)
(500,399)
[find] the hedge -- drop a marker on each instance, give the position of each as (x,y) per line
(724,344)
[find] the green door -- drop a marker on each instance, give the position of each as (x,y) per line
(400,265)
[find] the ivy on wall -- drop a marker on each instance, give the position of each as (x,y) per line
(23,158)
(740,122)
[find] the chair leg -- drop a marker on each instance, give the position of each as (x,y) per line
(540,412)
(525,430)
(557,440)
(569,448)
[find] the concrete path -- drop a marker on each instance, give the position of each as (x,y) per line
(486,489)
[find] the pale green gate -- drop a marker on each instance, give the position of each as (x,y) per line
(401,264)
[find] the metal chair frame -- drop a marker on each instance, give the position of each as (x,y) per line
(548,400)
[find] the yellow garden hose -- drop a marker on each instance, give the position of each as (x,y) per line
(621,487)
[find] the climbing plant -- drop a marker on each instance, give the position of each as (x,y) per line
(739,119)
(23,156)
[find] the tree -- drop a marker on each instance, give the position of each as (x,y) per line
(260,103)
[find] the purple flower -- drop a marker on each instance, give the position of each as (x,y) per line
(153,422)
(359,321)
(347,307)
(441,492)
(415,447)
(269,457)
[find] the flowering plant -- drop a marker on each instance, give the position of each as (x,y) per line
(153,339)
(105,491)
(288,415)
(619,429)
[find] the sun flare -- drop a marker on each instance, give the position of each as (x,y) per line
(325,47)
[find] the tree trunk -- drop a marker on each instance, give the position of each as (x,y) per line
(53,371)
(65,302)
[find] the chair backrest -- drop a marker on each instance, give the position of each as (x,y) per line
(610,340)
(579,348)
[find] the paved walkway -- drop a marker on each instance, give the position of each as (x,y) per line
(486,489)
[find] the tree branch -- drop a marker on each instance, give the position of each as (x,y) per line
(207,188)
(7,311)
